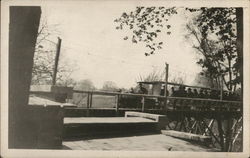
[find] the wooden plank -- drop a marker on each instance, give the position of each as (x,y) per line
(187,136)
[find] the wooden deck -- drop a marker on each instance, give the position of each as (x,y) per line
(153,142)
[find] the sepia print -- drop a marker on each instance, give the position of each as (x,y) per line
(125,78)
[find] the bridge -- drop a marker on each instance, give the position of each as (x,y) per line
(187,118)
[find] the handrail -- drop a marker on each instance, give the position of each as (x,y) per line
(176,84)
(174,102)
(154,96)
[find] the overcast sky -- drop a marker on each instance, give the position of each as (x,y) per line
(90,41)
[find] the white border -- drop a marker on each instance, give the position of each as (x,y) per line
(5,152)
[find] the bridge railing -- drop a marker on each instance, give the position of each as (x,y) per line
(145,102)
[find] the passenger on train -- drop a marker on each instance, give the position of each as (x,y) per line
(163,91)
(201,94)
(206,94)
(190,94)
(181,92)
(184,92)
(225,95)
(142,90)
(195,93)
(131,90)
(173,92)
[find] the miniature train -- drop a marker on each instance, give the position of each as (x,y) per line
(177,90)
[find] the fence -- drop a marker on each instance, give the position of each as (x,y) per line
(144,102)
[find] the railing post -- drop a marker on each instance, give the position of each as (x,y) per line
(87,105)
(143,103)
(117,104)
(90,101)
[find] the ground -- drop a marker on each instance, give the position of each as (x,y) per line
(156,142)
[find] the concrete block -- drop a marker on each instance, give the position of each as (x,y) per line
(160,119)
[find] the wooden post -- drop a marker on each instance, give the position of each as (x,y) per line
(228,133)
(166,86)
(58,48)
(117,104)
(221,132)
(88,105)
(143,104)
(90,100)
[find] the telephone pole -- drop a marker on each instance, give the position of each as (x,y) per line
(58,49)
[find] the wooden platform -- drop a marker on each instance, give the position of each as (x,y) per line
(152,142)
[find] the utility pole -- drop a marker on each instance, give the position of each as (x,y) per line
(166,84)
(58,49)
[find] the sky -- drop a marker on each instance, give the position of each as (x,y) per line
(99,53)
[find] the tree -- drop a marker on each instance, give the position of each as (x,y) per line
(44,58)
(203,81)
(69,82)
(86,85)
(152,76)
(146,23)
(177,79)
(221,55)
(214,30)
(109,86)
(239,23)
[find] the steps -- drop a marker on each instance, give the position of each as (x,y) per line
(83,127)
